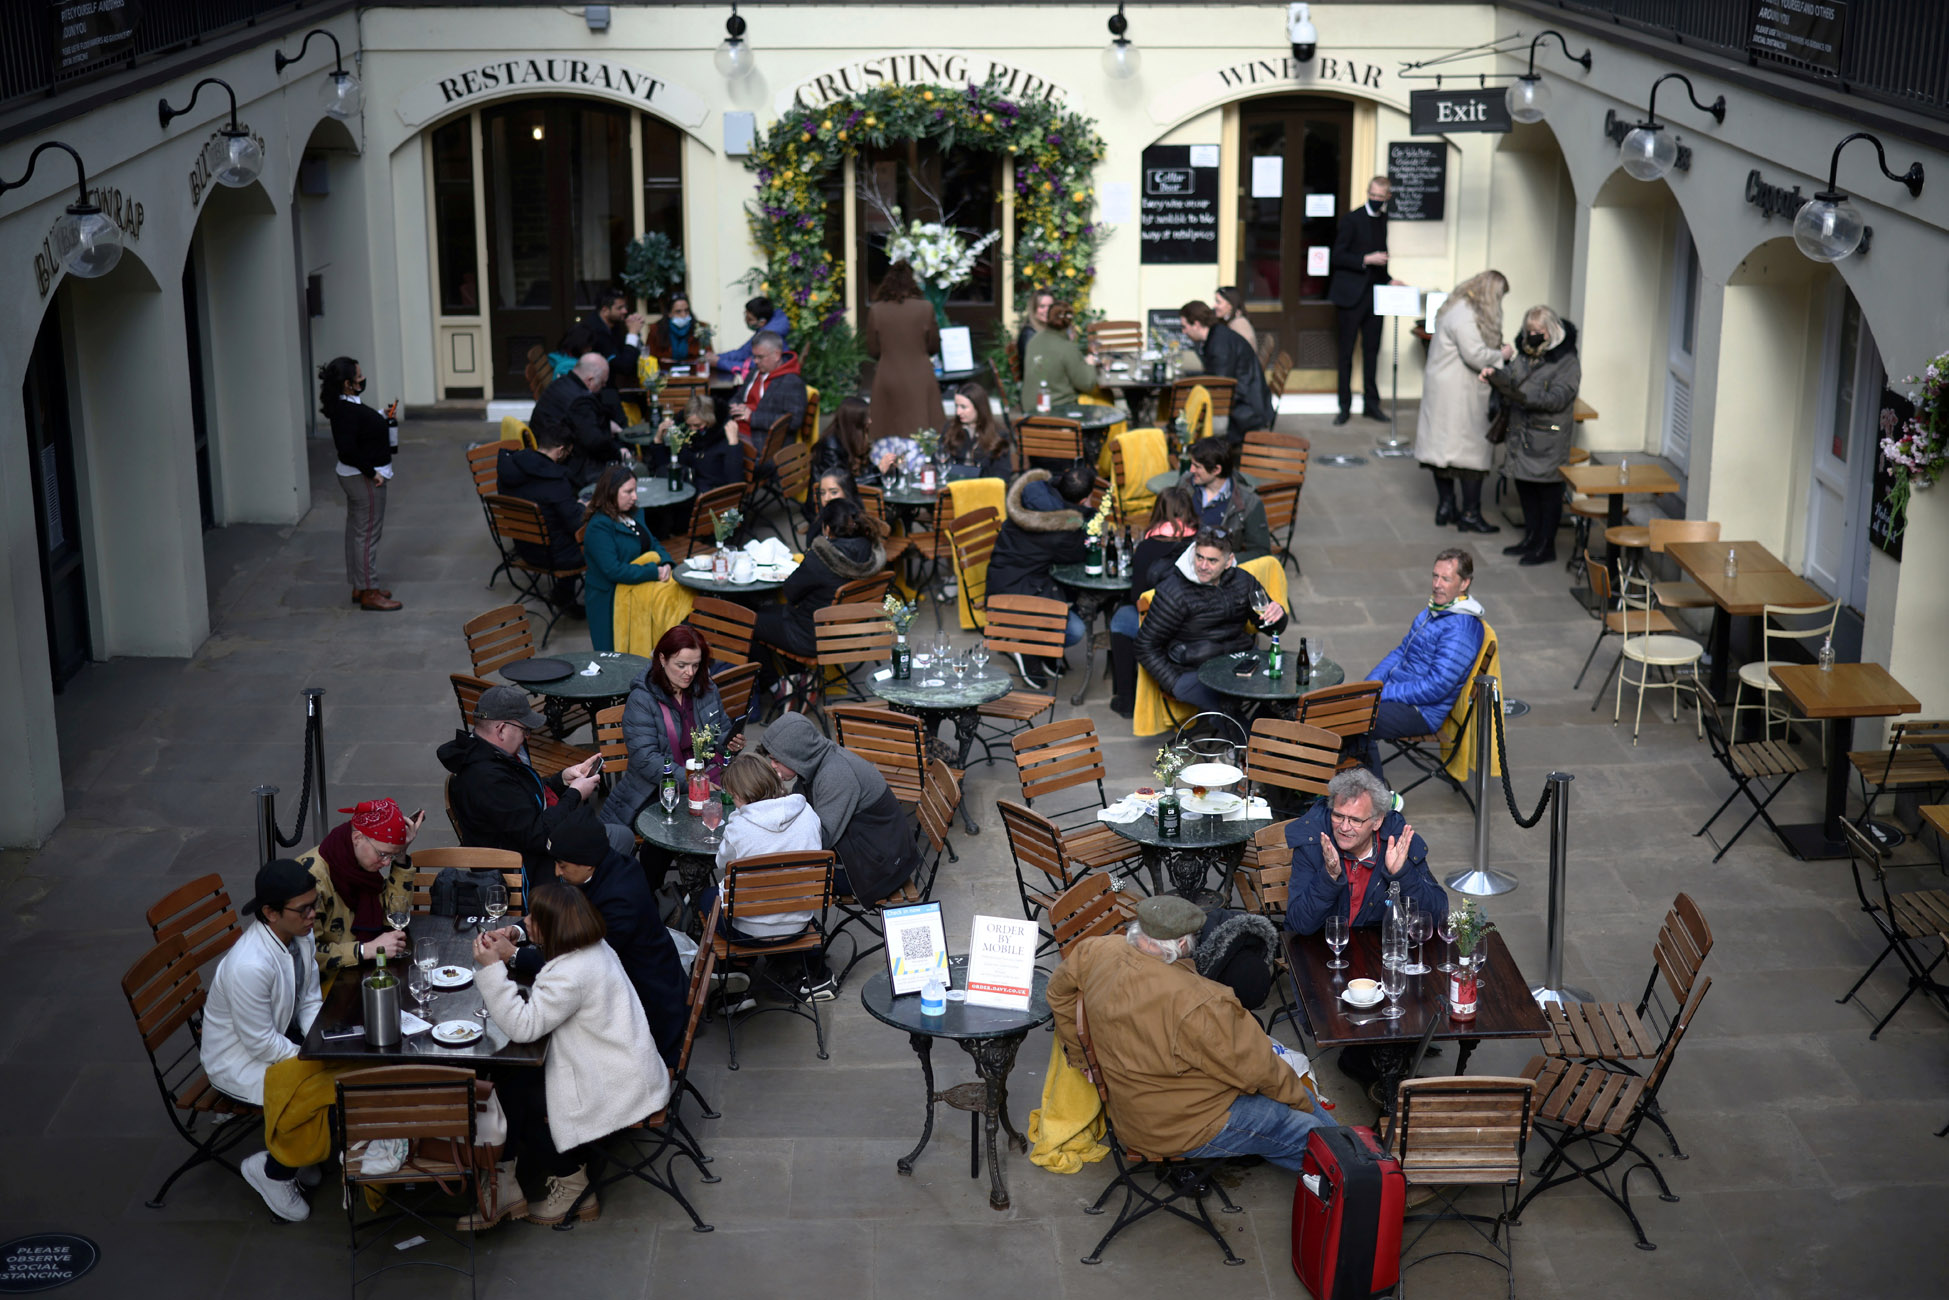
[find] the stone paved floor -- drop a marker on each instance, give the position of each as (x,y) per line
(1813,1171)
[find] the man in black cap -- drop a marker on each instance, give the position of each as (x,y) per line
(1188,1069)
(500,801)
(262,1001)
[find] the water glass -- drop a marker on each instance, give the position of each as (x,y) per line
(1394,982)
(960,664)
(1336,939)
(979,656)
(1421,926)
(1446,929)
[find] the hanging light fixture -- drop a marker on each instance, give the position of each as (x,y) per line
(242,157)
(340,93)
(1527,96)
(1828,228)
(1647,152)
(734,58)
(1120,57)
(87,242)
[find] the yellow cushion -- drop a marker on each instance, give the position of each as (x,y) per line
(515,429)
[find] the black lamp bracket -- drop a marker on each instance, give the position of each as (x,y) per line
(81,174)
(165,112)
(338,56)
(1717,107)
(1911,178)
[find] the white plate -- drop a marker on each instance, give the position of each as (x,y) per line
(1216,805)
(450,977)
(1212,776)
(698,563)
(458,1033)
(1347,997)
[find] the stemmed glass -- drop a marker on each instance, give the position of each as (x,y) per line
(494,901)
(1416,926)
(1446,929)
(1336,939)
(960,665)
(670,798)
(979,655)
(1394,982)
(418,984)
(713,818)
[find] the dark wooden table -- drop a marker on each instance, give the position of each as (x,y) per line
(616,673)
(990,1036)
(1504,1008)
(1837,697)
(1762,580)
(454,948)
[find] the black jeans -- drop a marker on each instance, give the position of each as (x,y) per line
(1359,323)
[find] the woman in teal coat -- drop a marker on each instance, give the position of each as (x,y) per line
(613,539)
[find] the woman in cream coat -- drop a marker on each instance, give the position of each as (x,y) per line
(1451,433)
(602,1073)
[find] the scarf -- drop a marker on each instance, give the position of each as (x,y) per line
(360,890)
(679,336)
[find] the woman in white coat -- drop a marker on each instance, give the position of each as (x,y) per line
(1451,433)
(602,1073)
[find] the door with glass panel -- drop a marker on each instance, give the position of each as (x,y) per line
(960,187)
(1845,429)
(559,209)
(1293,181)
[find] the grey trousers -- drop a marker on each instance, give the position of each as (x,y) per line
(365,519)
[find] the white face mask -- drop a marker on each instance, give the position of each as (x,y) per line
(680,321)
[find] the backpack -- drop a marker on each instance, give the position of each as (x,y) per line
(457,891)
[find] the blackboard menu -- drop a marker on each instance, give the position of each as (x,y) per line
(1885,522)
(1800,31)
(1419,174)
(88,32)
(1178,220)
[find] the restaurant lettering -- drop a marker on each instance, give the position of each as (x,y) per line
(917,67)
(124,211)
(1778,201)
(1267,76)
(542,75)
(1261,72)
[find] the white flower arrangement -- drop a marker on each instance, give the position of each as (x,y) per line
(939,255)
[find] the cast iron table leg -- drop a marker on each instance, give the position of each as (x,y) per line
(1188,868)
(1613,517)
(993,1059)
(923,1048)
(1462,1057)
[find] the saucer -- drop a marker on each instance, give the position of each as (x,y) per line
(457,1033)
(1352,1001)
(450,977)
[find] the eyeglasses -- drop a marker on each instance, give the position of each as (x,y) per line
(309,909)
(1347,819)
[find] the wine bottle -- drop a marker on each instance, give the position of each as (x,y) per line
(381,978)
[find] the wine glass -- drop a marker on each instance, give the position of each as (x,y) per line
(398,914)
(418,984)
(494,901)
(713,818)
(1446,929)
(1336,939)
(1394,982)
(960,665)
(979,655)
(1421,926)
(670,800)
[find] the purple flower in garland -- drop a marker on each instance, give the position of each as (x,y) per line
(822,273)
(795,260)
(1054,138)
(805,223)
(800,295)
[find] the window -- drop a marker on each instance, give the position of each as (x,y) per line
(453,218)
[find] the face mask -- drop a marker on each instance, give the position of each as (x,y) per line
(358,386)
(680,321)
(1533,343)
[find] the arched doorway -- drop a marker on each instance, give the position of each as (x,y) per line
(1295,173)
(1533,236)
(1625,336)
(959,187)
(53,471)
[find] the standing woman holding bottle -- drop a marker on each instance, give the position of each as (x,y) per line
(365,452)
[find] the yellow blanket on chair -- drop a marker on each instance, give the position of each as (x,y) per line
(1067,1129)
(1156,711)
(1144,458)
(645,611)
(298,1100)
(971,494)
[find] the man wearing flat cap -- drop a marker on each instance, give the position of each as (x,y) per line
(500,801)
(1189,1071)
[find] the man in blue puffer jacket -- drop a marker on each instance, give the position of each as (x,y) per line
(1422,677)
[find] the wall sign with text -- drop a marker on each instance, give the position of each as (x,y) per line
(1805,32)
(1440,112)
(1419,175)
(916,67)
(1178,212)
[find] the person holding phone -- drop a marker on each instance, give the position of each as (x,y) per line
(363,441)
(363,874)
(498,799)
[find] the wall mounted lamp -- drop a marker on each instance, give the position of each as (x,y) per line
(1828,227)
(340,93)
(1647,152)
(87,242)
(241,159)
(1527,96)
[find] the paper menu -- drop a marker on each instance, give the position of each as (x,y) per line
(1001,963)
(916,946)
(957,348)
(1397,300)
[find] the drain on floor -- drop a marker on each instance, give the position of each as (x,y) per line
(1514,708)
(1339,460)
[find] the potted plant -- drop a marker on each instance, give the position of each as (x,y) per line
(652,266)
(901,615)
(939,256)
(1918,447)
(676,440)
(1464,982)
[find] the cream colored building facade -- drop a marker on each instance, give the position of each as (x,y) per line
(1708,340)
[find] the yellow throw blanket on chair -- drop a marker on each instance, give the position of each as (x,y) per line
(1144,458)
(1067,1129)
(970,494)
(298,1100)
(645,611)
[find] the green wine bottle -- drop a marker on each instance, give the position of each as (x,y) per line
(381,978)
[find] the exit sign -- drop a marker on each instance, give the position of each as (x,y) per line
(1442,112)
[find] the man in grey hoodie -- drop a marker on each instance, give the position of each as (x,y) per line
(859,818)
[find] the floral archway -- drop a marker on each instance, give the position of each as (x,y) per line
(1055,152)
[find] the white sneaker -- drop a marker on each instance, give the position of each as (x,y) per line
(282,1195)
(731,981)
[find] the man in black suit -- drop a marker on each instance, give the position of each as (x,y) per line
(1359,263)
(573,402)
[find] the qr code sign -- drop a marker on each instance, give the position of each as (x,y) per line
(916,946)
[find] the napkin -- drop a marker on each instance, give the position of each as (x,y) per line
(412,1024)
(769,552)
(1125,810)
(1253,809)
(592,670)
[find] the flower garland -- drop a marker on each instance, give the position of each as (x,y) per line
(1055,151)
(1918,447)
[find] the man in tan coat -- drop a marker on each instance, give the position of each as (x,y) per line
(1189,1071)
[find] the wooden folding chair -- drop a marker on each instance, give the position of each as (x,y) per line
(1043,868)
(484,463)
(894,743)
(519,522)
(500,864)
(432,1108)
(727,628)
(497,638)
(1266,458)
(793,469)
(1050,438)
(761,470)
(972,538)
(870,590)
(1906,921)
(1750,764)
(1281,502)
(200,911)
(1116,336)
(1291,756)
(701,537)
(1133,498)
(1909,763)
(1061,763)
(166,995)
(846,636)
(768,885)
(1454,1133)
(1346,710)
(1090,907)
(734,687)
(1026,626)
(940,800)
(546,754)
(872,500)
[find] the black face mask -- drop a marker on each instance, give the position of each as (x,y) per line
(358,385)
(1533,343)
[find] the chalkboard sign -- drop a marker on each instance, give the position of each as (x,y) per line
(1800,31)
(1178,218)
(1167,327)
(89,32)
(1419,174)
(1885,523)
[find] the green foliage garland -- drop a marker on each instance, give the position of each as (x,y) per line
(653,266)
(1055,151)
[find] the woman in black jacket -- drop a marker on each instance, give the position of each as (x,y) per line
(1202,610)
(1173,522)
(846,548)
(973,441)
(846,444)
(714,455)
(365,453)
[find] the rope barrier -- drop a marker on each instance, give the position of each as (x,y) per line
(313,722)
(1508,792)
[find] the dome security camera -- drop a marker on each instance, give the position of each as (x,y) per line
(1301,32)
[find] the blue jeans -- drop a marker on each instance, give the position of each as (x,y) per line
(1074,632)
(1392,721)
(1124,621)
(1198,695)
(1260,1126)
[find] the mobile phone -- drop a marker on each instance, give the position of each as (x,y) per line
(736,727)
(333,1033)
(1244,668)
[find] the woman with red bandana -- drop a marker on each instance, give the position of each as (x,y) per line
(363,872)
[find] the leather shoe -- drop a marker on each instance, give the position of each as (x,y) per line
(1342,418)
(359,595)
(1476,524)
(1374,412)
(1539,557)
(1520,548)
(1446,514)
(376,599)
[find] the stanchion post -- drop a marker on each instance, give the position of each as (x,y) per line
(1480,880)
(266,822)
(315,733)
(1554,989)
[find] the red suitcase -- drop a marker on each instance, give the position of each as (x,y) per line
(1347,1209)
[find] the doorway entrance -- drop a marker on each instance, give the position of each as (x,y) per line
(1681,349)
(57,514)
(1294,178)
(559,208)
(1845,431)
(960,188)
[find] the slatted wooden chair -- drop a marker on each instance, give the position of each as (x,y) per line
(484,463)
(1172,1178)
(1200,422)
(502,636)
(809,428)
(727,627)
(793,467)
(894,743)
(546,754)
(1454,1133)
(1291,756)
(1610,620)
(972,538)
(700,537)
(609,741)
(1750,764)
(1050,438)
(761,469)
(1043,868)
(1910,924)
(932,551)
(1267,457)
(1908,764)
(517,523)
(872,499)
(1281,501)
(940,800)
(200,911)
(1061,764)
(432,1108)
(166,995)
(1030,626)
(734,686)
(697,1005)
(1662,533)
(503,866)
(1134,498)
(1618,1034)
(1346,710)
(1264,875)
(1597,1112)
(1088,908)
(870,590)
(1277,376)
(1116,336)
(1435,752)
(768,885)
(846,636)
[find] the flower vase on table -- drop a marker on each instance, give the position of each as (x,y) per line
(901,615)
(697,790)
(1471,929)
(676,477)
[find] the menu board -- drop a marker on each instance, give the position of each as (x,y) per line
(1178,217)
(1800,31)
(1418,171)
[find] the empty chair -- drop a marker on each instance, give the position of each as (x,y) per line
(1291,756)
(1050,438)
(1912,925)
(1043,867)
(1663,532)
(1909,763)
(1647,649)
(1750,764)
(200,911)
(1455,1133)
(1061,764)
(1018,629)
(972,537)
(1780,626)
(432,1108)
(1346,710)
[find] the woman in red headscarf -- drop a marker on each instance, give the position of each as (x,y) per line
(362,872)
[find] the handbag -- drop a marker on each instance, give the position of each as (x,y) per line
(1498,419)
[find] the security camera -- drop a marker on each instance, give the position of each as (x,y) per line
(1300,31)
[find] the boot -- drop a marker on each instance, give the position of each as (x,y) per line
(1549,515)
(376,599)
(1531,514)
(508,1202)
(1445,512)
(562,1193)
(1123,675)
(1031,677)
(1472,520)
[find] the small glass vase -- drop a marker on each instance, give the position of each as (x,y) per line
(1093,558)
